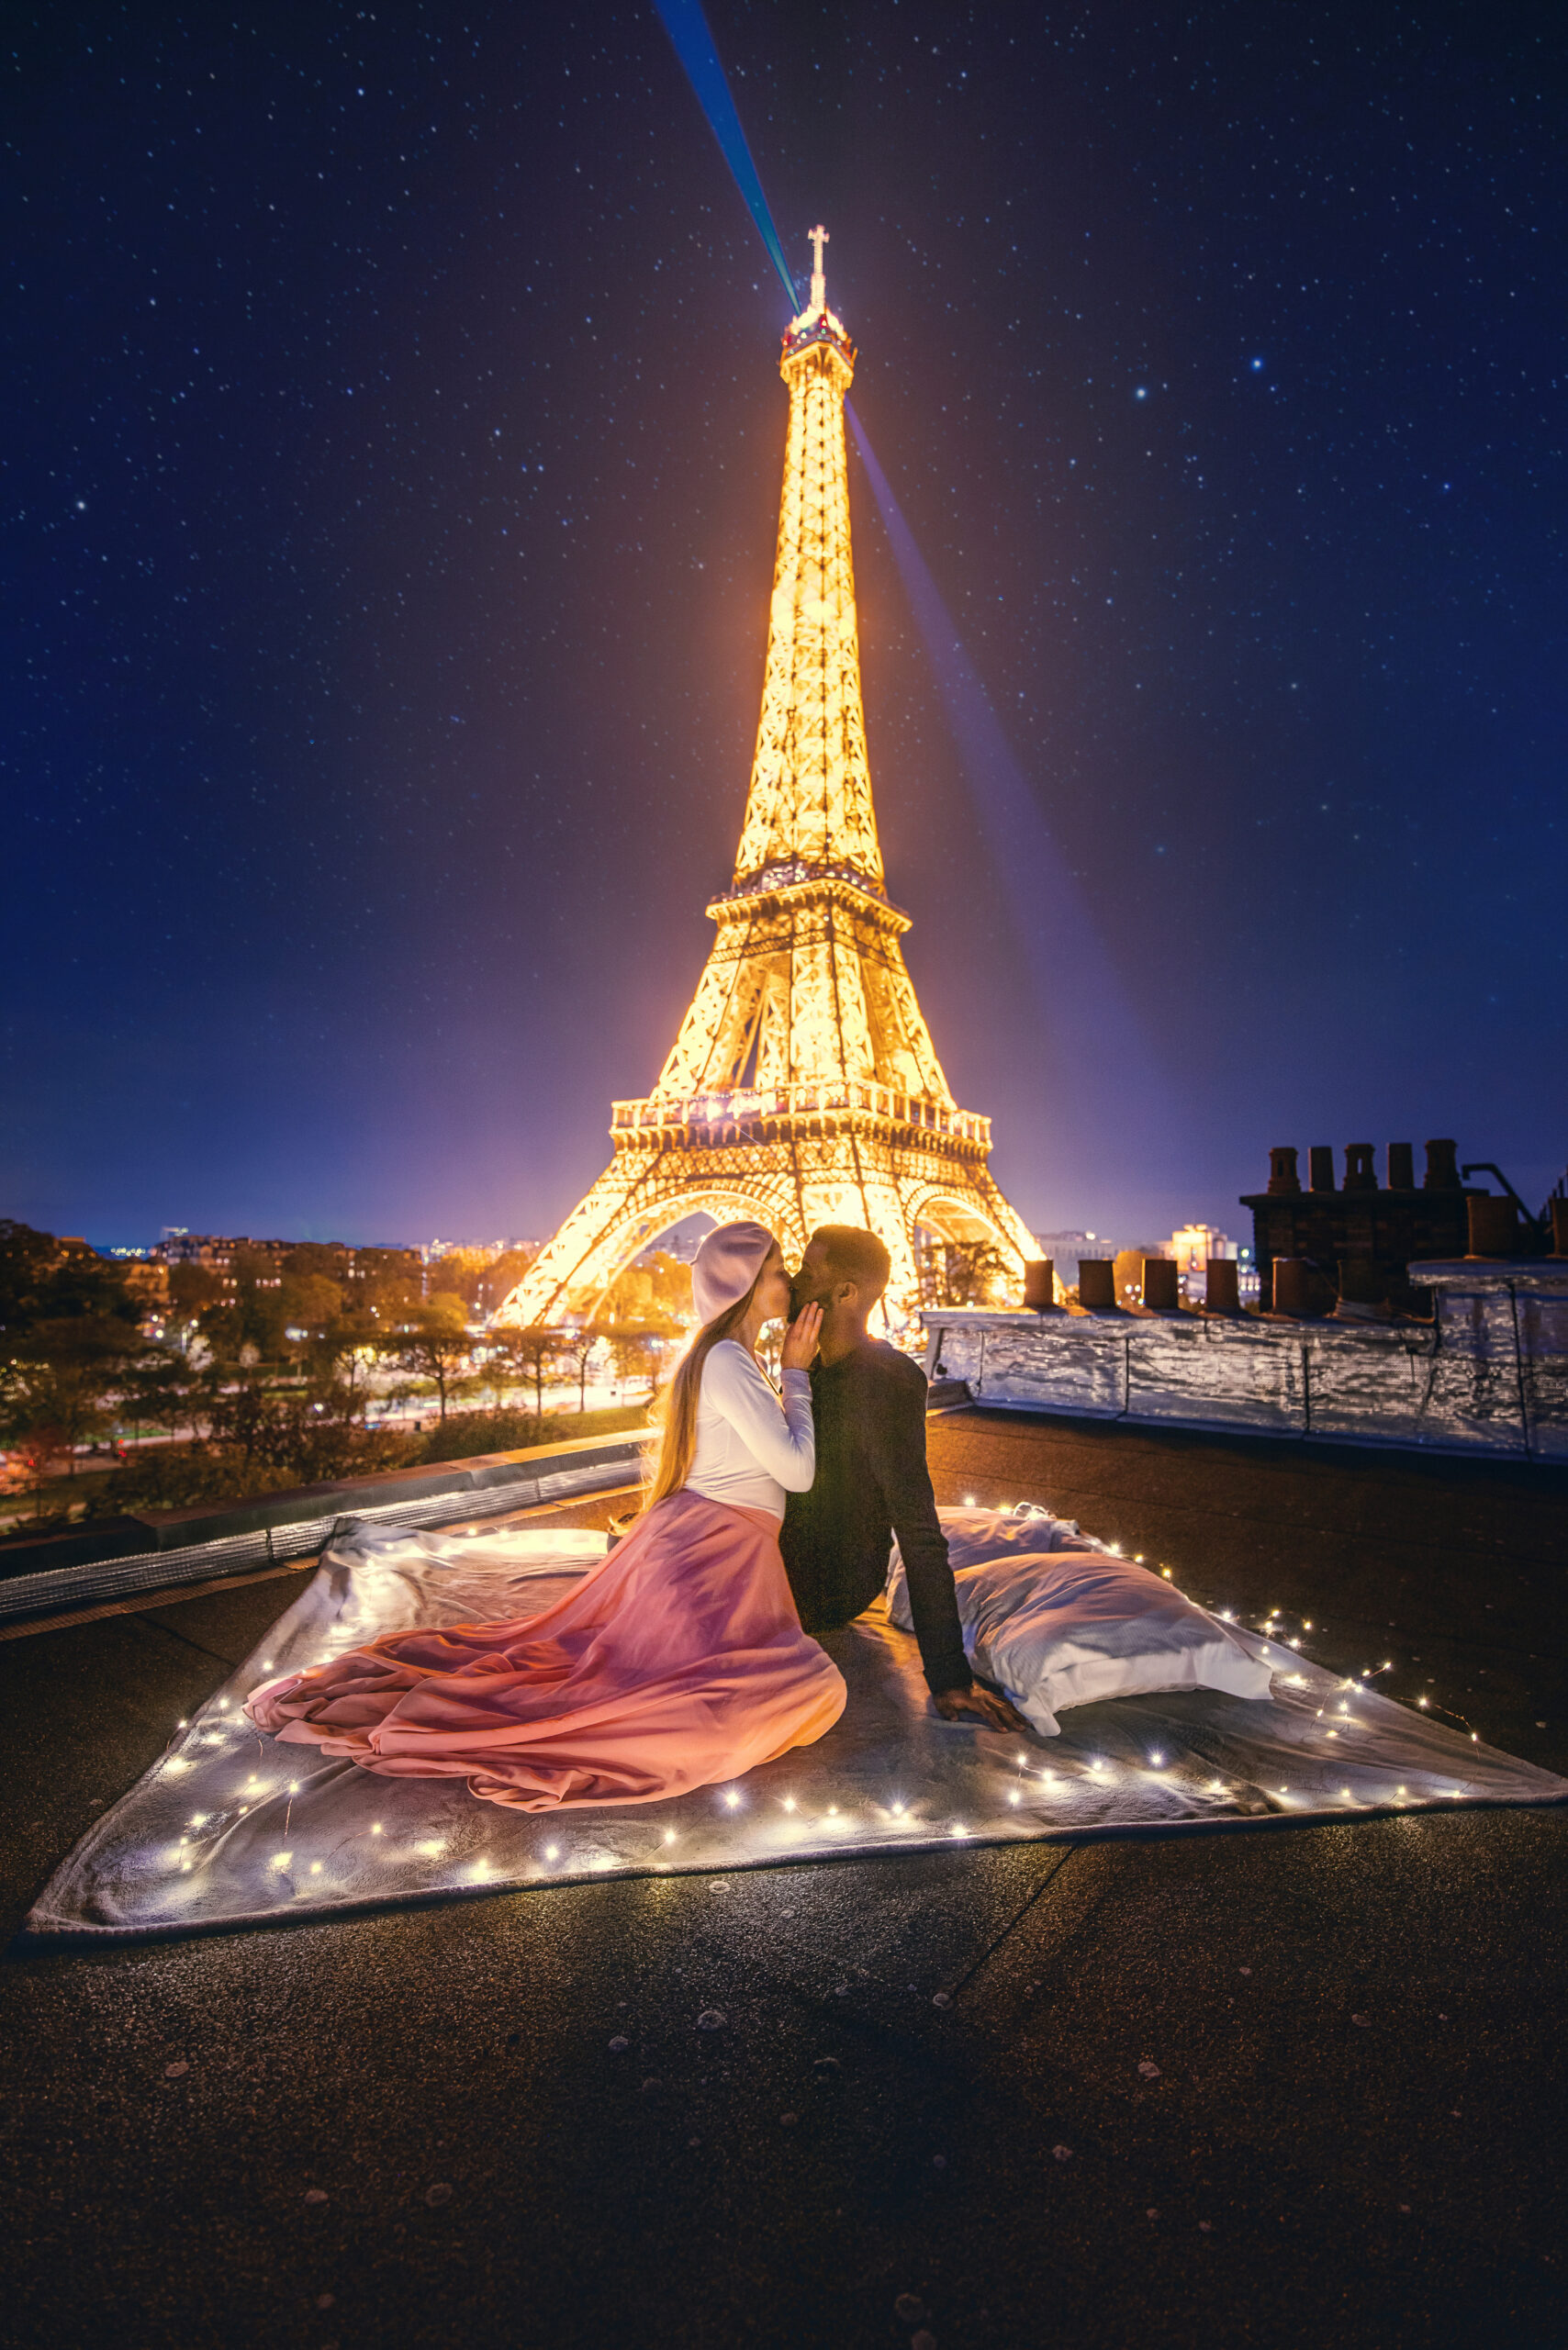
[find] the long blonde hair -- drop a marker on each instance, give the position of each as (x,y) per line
(677,1442)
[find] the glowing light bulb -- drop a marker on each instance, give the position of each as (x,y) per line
(199,1819)
(552,1851)
(376,1827)
(1014,1796)
(788,1803)
(670,1835)
(731,1798)
(1157,1760)
(315,1868)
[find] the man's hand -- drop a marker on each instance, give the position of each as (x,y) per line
(800,1338)
(988,1705)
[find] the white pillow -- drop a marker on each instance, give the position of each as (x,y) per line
(1057,1621)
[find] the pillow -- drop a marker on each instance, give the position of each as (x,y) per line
(1057,1621)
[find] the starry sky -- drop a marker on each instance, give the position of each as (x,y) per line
(389,510)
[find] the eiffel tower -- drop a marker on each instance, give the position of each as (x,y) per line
(804,1088)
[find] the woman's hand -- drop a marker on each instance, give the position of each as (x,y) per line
(800,1338)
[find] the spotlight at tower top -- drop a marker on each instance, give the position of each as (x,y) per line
(803,1087)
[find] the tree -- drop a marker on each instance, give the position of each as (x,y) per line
(961,1272)
(637,1354)
(69,1327)
(434,1343)
(577,1350)
(535,1351)
(163,1386)
(502,1276)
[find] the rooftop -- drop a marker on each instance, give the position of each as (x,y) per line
(931,2101)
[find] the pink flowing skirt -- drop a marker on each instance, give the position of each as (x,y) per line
(678,1661)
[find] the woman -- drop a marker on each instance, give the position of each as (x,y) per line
(679,1661)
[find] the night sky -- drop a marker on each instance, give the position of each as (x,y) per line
(390,502)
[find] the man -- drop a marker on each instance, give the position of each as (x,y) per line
(871,1481)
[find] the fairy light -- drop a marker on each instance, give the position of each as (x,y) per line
(1014,1796)
(670,1835)
(731,1798)
(788,1803)
(376,1827)
(315,1868)
(281,1860)
(552,1851)
(957,1829)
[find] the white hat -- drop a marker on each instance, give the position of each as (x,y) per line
(726,1265)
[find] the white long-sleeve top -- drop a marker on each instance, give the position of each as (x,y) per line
(751,1450)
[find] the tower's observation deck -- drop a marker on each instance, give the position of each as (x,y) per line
(803,1087)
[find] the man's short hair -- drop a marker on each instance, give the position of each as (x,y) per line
(855,1256)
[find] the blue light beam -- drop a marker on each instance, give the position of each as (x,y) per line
(687,28)
(1111,1075)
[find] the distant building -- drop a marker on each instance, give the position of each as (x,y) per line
(218,1252)
(1065,1249)
(1195,1245)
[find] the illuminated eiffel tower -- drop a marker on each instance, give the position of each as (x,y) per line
(804,1088)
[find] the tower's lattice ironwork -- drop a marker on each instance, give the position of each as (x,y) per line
(804,1088)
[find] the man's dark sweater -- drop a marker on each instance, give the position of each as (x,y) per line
(872,1483)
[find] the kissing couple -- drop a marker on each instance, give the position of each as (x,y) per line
(688,1657)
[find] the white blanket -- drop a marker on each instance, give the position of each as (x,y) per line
(229,1828)
(1057,1620)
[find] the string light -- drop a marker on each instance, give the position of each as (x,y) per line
(788,1803)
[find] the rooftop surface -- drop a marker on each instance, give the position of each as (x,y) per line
(925,2109)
